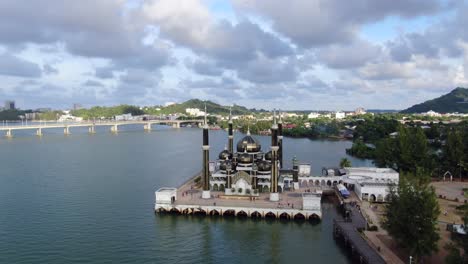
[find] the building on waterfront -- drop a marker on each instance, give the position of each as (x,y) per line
(313,115)
(369,184)
(9,105)
(194,112)
(360,111)
(340,115)
(250,169)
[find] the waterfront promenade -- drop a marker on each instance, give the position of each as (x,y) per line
(114,125)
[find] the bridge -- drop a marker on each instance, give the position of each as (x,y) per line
(114,126)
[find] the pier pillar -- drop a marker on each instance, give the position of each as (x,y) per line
(66,130)
(114,129)
(176,125)
(9,134)
(39,132)
(92,129)
(147,127)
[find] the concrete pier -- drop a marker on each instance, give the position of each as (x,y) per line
(188,200)
(9,134)
(114,129)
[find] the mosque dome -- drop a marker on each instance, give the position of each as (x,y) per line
(264,165)
(249,144)
(259,156)
(268,155)
(223,165)
(245,158)
(225,154)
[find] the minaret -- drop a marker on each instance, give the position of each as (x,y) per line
(280,140)
(231,135)
(206,159)
(274,195)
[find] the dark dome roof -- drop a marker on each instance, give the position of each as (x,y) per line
(264,165)
(248,143)
(259,156)
(225,154)
(268,155)
(245,158)
(223,165)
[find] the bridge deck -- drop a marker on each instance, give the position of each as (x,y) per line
(88,124)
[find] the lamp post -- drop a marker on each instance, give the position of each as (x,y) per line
(410,259)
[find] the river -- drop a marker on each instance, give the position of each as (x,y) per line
(89,198)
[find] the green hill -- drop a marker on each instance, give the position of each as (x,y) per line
(455,101)
(211,107)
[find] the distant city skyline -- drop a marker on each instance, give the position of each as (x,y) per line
(295,55)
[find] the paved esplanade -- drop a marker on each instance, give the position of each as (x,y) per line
(114,125)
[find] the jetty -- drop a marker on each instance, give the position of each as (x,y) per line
(348,231)
(187,200)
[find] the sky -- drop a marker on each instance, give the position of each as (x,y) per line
(292,55)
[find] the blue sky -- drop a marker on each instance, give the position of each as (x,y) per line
(297,54)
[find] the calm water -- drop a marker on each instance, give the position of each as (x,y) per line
(81,199)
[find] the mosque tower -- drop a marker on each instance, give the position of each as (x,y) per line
(231,135)
(206,159)
(274,195)
(280,140)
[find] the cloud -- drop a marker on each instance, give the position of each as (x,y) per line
(346,56)
(386,71)
(311,23)
(92,83)
(15,66)
(48,69)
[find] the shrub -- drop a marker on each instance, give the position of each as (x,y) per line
(233,190)
(239,190)
(373,228)
(247,191)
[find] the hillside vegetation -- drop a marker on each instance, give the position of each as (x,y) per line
(455,101)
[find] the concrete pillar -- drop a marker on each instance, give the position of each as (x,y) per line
(92,129)
(147,127)
(114,129)
(176,125)
(39,132)
(66,130)
(9,134)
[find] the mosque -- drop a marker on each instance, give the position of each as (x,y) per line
(248,170)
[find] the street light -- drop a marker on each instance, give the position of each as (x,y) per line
(410,259)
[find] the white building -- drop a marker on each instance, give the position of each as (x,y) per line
(432,114)
(371,184)
(166,196)
(340,115)
(313,115)
(124,117)
(360,111)
(194,112)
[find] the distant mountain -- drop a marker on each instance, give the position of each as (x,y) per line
(211,107)
(455,101)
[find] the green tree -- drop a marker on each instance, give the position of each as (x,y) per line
(453,151)
(344,162)
(411,217)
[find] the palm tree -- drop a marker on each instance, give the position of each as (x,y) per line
(344,162)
